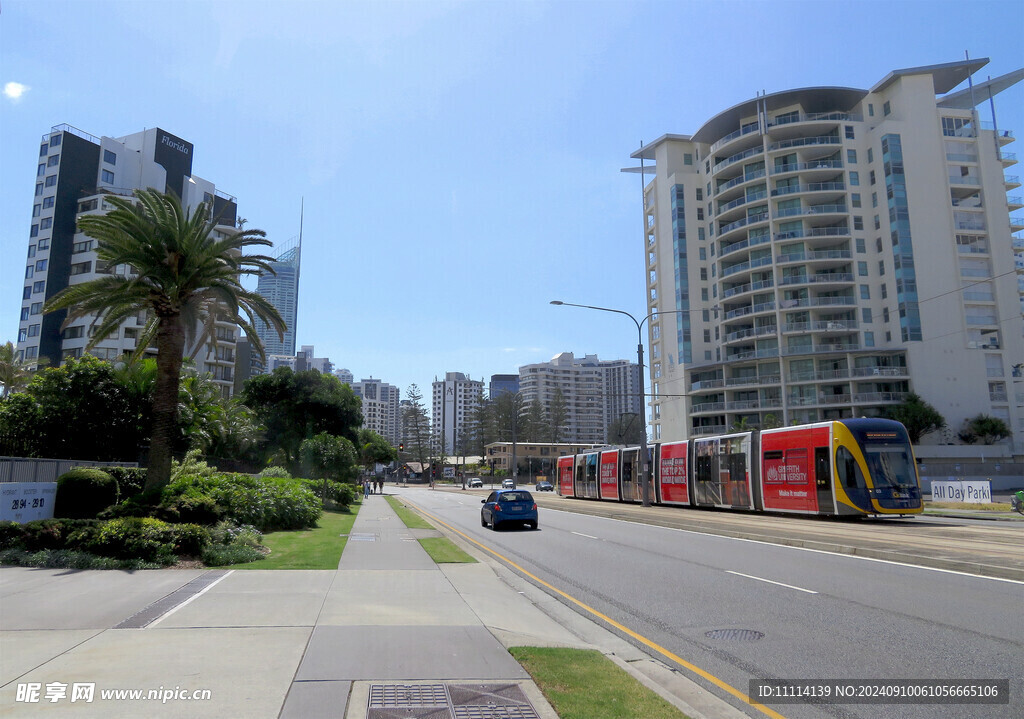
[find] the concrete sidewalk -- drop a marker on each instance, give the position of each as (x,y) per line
(388,635)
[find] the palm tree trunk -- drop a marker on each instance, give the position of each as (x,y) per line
(170,345)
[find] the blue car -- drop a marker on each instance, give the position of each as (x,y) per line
(509,505)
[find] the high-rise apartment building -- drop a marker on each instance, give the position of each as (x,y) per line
(596,393)
(281,290)
(502,384)
(380,408)
(824,251)
(76,171)
(455,398)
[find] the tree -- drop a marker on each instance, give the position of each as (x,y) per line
(295,406)
(415,424)
(14,372)
(558,415)
(374,449)
(184,273)
(510,416)
(985,428)
(627,429)
(76,411)
(919,417)
(327,457)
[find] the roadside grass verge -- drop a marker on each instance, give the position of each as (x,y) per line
(441,549)
(993,507)
(584,684)
(317,548)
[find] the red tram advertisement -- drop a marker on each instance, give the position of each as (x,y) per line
(850,467)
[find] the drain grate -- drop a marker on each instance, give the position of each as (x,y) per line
(362,537)
(449,701)
(735,635)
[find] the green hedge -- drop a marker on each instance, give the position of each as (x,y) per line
(84,492)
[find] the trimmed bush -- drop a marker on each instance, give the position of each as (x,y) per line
(340,493)
(143,538)
(278,472)
(191,505)
(130,480)
(43,534)
(84,492)
(190,539)
(266,503)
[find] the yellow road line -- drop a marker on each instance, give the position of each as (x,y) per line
(605,618)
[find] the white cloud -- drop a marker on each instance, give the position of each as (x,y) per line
(14,90)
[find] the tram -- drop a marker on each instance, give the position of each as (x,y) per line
(841,468)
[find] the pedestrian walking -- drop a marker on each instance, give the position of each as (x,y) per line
(366,489)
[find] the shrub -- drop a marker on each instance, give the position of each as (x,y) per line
(223,554)
(66,559)
(11,534)
(190,539)
(42,534)
(189,503)
(144,538)
(229,533)
(278,472)
(84,492)
(130,480)
(191,465)
(340,493)
(266,503)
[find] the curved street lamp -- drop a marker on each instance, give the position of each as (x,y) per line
(645,489)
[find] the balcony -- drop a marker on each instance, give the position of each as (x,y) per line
(753,127)
(1016,223)
(707,429)
(964,180)
(1015,202)
(738,157)
(810,187)
(723,229)
(813,232)
(707,407)
(752,332)
(815,255)
(752,380)
(1011,181)
(816,117)
(742,201)
(824,277)
(960,157)
(811,210)
(821,326)
(1008,158)
(741,311)
(813,165)
(745,266)
(749,287)
(805,141)
(847,300)
(749,242)
(706,384)
(753,354)
(876,397)
(746,177)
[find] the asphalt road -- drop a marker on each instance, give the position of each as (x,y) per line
(741,609)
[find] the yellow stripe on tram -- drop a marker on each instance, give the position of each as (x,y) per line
(639,637)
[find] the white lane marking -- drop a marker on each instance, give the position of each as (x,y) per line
(769,581)
(188,601)
(581,534)
(801,549)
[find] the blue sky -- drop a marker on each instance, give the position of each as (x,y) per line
(459,161)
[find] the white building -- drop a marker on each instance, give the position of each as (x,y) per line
(596,392)
(76,170)
(380,408)
(455,398)
(344,375)
(833,249)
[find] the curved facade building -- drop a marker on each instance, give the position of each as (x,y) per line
(824,251)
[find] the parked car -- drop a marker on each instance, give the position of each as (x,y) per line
(508,484)
(545,487)
(475,482)
(508,505)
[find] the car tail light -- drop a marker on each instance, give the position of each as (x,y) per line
(535,507)
(497,507)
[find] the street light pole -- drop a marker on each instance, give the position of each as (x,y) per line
(645,489)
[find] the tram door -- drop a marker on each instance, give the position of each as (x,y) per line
(823,480)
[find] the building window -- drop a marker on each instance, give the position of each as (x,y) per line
(878,223)
(861,249)
(862,269)
(26,293)
(871,177)
(41,170)
(34,232)
(109,157)
(33,330)
(851,157)
(881,267)
(849,132)
(874,199)
(855,199)
(854,178)
(871,155)
(700,213)
(51,180)
(885,314)
(40,265)
(81,247)
(31,251)
(43,244)
(858,223)
(702,254)
(878,244)
(53,160)
(865,292)
(700,195)
(72,333)
(22,335)
(55,140)
(704,273)
(36,210)
(885,291)
(36,308)
(28,272)
(869,339)
(45,224)
(24,313)
(81,268)
(865,315)
(886,108)
(47,203)
(107,176)
(39,189)
(687,158)
(42,149)
(39,286)
(31,352)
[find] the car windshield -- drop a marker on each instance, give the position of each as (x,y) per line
(515,497)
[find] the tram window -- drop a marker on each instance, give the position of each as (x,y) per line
(704,469)
(846,466)
(822,471)
(737,464)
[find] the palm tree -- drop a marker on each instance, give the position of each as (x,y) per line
(183,274)
(14,373)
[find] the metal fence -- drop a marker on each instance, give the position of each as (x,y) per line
(21,469)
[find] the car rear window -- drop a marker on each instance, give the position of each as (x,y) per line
(515,497)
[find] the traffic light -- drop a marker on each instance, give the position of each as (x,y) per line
(401,446)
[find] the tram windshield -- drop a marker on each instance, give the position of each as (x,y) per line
(890,466)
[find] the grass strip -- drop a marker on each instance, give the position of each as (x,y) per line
(441,549)
(317,548)
(585,684)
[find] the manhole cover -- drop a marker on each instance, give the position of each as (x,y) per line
(449,701)
(735,635)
